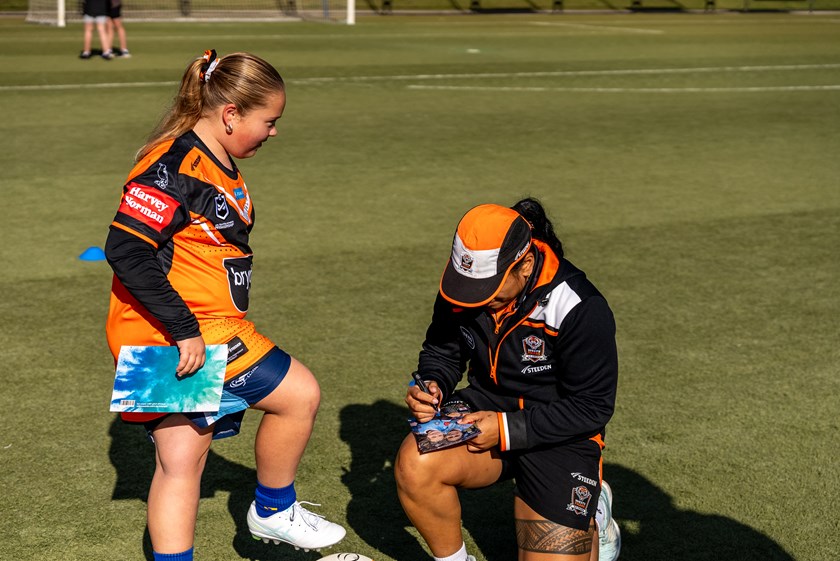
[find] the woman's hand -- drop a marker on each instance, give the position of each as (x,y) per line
(487,422)
(192,356)
(424,405)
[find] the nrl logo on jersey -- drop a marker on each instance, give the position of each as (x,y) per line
(533,348)
(221,207)
(163,177)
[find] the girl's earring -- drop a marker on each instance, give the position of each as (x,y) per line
(229,128)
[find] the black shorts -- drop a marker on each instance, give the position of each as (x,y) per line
(561,483)
(96,8)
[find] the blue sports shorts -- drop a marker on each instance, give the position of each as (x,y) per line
(238,394)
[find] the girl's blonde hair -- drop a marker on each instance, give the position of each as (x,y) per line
(239,78)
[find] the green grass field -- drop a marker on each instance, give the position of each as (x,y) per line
(689,161)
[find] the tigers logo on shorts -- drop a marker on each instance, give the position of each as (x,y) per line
(580,500)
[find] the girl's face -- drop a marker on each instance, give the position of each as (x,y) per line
(255,127)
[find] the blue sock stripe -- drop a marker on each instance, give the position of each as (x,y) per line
(183,556)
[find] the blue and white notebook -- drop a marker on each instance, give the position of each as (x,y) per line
(145,381)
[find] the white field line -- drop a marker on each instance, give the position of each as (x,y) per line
(597,28)
(105,85)
(631,90)
(560,73)
(431,77)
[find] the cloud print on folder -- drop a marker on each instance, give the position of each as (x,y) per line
(145,381)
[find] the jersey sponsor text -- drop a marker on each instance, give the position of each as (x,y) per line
(153,210)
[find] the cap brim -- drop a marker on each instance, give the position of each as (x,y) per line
(469,292)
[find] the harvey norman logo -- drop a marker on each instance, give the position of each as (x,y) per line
(155,210)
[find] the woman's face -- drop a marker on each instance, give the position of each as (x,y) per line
(255,127)
(514,284)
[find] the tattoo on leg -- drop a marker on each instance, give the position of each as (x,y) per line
(543,536)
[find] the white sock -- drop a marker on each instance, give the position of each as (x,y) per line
(460,555)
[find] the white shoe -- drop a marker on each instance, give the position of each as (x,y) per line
(470,558)
(609,534)
(296,526)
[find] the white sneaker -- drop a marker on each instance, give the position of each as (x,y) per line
(470,558)
(296,526)
(609,534)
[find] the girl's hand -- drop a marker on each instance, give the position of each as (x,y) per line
(424,405)
(192,356)
(487,422)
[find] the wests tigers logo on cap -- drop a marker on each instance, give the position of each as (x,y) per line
(466,262)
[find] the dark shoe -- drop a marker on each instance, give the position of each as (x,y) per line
(84,55)
(107,55)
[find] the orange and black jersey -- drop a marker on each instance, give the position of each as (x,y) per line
(549,368)
(179,249)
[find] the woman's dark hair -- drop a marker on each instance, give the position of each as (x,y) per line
(543,230)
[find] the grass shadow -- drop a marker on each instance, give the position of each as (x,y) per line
(132,455)
(654,529)
(375,513)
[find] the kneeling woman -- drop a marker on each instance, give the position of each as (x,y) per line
(538,342)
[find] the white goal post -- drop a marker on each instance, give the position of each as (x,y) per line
(60,12)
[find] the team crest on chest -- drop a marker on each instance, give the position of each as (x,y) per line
(580,500)
(533,349)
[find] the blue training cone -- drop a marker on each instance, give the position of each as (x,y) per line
(92,254)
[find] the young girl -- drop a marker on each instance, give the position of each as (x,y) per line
(182,272)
